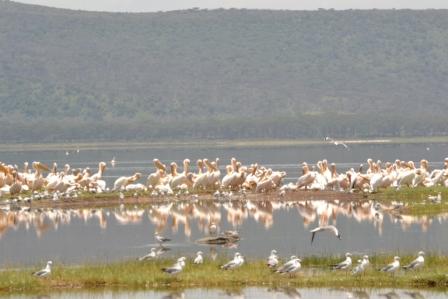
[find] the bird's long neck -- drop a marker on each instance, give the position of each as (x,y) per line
(186,167)
(100,170)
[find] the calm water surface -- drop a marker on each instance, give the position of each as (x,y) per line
(260,293)
(127,232)
(33,236)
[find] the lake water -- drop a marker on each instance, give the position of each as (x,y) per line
(117,233)
(260,293)
(29,237)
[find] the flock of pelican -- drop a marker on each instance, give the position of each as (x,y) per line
(378,175)
(209,178)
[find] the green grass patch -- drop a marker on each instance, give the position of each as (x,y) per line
(415,200)
(133,275)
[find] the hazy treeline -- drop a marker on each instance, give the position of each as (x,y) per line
(69,75)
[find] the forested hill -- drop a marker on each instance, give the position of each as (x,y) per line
(68,75)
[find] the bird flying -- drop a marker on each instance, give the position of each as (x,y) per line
(330,228)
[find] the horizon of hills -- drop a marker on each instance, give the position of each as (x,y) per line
(75,75)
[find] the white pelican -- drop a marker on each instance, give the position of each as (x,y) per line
(123,181)
(173,172)
(358,181)
(155,178)
(227,179)
(99,174)
(252,178)
(45,271)
(184,177)
(376,179)
(320,182)
(4,172)
(266,184)
(326,171)
(406,175)
(53,172)
(421,174)
(37,182)
(237,261)
(136,187)
(338,182)
(235,177)
(213,174)
(307,178)
(436,177)
(16,186)
(200,179)
(417,263)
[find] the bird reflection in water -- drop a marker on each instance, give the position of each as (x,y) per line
(208,215)
(290,292)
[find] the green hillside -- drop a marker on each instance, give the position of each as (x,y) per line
(68,75)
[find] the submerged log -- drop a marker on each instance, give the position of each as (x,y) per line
(219,240)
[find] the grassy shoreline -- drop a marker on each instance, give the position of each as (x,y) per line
(134,275)
(415,200)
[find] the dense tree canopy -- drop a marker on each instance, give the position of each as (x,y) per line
(68,75)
